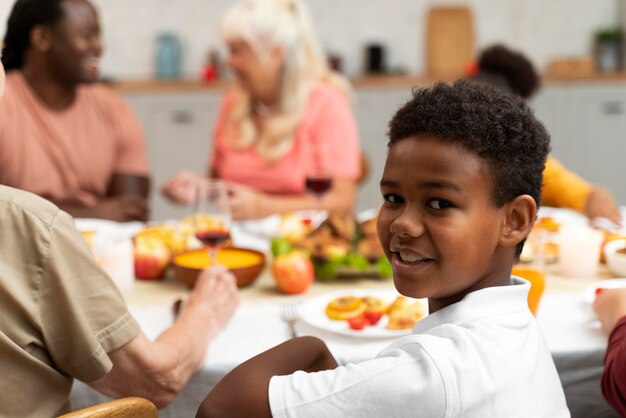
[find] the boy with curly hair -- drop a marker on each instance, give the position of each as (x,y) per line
(461,186)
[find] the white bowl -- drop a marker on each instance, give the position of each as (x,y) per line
(614,260)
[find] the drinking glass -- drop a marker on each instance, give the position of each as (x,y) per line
(212,216)
(318,179)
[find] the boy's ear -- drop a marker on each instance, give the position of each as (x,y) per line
(519,220)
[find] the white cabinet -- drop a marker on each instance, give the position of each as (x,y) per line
(587,124)
(178,128)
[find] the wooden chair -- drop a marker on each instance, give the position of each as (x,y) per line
(118,408)
(365,169)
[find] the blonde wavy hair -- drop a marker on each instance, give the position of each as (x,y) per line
(265,24)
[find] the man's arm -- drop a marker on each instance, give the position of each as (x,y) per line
(158,370)
(127,200)
(244,391)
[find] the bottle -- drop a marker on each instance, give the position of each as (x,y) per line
(168,56)
(211,69)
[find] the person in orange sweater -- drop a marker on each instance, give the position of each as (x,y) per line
(512,71)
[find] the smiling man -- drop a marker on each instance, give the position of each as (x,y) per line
(62,135)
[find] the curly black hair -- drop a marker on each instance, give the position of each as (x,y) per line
(498,64)
(496,126)
(25,15)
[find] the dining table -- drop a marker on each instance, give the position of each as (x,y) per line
(564,315)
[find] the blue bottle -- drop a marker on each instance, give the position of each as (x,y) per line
(168,56)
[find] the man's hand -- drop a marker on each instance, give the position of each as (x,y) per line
(216,288)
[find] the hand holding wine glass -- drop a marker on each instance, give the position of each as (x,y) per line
(212,216)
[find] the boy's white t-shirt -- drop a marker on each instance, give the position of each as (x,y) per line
(481,357)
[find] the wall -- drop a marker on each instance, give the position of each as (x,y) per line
(542,28)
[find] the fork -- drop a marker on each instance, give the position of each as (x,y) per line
(289,314)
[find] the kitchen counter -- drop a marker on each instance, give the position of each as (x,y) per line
(362,82)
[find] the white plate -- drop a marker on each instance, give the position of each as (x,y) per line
(269,227)
(366,215)
(590,291)
(313,312)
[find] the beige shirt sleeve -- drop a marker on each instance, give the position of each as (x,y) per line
(83,315)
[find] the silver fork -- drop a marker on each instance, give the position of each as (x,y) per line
(289,314)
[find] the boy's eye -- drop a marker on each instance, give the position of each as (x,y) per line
(439,204)
(392,198)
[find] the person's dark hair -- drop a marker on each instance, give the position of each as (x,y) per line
(496,126)
(25,15)
(499,64)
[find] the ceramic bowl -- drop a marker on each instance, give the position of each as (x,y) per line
(615,260)
(244,263)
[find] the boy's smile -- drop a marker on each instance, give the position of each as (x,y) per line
(438,224)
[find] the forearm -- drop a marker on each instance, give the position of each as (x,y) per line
(237,394)
(158,370)
(614,376)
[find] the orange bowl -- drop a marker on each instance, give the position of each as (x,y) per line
(244,263)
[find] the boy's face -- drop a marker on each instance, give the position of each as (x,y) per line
(438,224)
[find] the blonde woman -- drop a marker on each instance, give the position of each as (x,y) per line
(288,117)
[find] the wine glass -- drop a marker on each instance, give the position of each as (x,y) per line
(212,216)
(318,180)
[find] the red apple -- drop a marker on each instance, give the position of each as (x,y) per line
(151,256)
(293,272)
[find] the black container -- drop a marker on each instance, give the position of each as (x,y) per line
(375,60)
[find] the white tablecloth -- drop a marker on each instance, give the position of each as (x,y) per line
(565,318)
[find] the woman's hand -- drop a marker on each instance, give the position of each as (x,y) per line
(609,307)
(181,188)
(247,203)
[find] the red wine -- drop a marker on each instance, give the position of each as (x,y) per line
(212,238)
(318,185)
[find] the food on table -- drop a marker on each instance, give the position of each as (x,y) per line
(547,224)
(368,227)
(345,307)
(293,227)
(293,272)
(370,248)
(338,244)
(364,311)
(231,258)
(608,237)
(621,251)
(88,236)
(375,304)
(151,257)
(403,314)
(155,245)
(244,263)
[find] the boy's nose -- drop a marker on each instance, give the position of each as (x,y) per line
(407,224)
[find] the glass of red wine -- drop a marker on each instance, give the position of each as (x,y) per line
(318,180)
(212,216)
